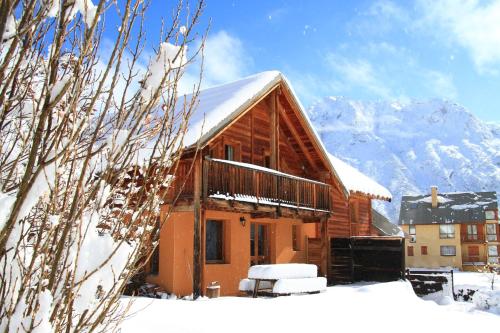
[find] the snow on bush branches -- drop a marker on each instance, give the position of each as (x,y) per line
(88,143)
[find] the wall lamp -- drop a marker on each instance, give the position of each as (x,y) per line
(243,221)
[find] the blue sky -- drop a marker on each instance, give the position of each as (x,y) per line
(367,50)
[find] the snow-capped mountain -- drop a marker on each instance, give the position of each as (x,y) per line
(409,147)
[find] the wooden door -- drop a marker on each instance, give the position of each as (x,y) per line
(259,244)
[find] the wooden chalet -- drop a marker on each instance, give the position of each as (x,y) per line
(254,186)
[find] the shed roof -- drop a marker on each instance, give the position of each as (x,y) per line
(456,207)
(384,226)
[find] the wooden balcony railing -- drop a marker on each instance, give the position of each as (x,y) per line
(472,238)
(474,259)
(236,181)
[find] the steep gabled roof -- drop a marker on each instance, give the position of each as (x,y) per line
(460,207)
(219,106)
(357,182)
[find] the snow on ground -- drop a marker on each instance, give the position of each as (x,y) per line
(383,307)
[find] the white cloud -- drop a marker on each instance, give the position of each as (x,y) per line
(441,84)
(225,60)
(358,73)
(383,70)
(472,24)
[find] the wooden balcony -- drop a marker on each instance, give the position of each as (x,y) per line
(473,238)
(228,180)
(474,260)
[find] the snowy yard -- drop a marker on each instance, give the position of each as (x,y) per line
(387,307)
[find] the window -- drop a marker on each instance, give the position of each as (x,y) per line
(491,232)
(472,232)
(155,261)
(446,231)
(229,152)
(214,242)
(409,251)
(448,250)
(267,161)
(413,233)
(423,250)
(489,215)
(493,254)
(412,230)
(295,238)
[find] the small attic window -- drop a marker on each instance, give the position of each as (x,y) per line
(229,152)
(489,215)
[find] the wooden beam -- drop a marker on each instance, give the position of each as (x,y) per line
(324,247)
(296,135)
(274,135)
(197,257)
(276,127)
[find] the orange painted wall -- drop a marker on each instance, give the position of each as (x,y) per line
(176,250)
(176,254)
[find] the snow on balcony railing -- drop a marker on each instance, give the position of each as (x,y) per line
(251,183)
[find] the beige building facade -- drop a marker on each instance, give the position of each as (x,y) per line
(451,230)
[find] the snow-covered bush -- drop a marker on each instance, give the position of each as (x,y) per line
(88,141)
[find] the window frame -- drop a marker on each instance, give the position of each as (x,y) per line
(491,236)
(229,150)
(447,234)
(486,212)
(423,250)
(474,234)
(154,262)
(414,227)
(410,251)
(222,242)
(441,252)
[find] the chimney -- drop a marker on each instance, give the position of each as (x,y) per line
(434,196)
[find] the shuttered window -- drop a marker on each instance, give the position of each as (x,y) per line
(409,251)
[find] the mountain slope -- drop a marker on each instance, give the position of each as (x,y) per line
(409,147)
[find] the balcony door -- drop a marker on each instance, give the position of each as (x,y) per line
(259,244)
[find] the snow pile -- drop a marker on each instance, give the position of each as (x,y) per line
(249,285)
(385,307)
(409,147)
(85,7)
(355,181)
(283,271)
(473,290)
(306,285)
(169,57)
(428,199)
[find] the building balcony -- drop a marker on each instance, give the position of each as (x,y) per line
(472,238)
(229,180)
(229,185)
(474,260)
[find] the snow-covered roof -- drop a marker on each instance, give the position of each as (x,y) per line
(220,105)
(357,182)
(454,207)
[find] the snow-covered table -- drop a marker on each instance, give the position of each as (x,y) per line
(283,279)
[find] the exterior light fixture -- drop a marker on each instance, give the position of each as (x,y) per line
(243,221)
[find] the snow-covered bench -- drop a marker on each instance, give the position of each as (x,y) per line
(282,279)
